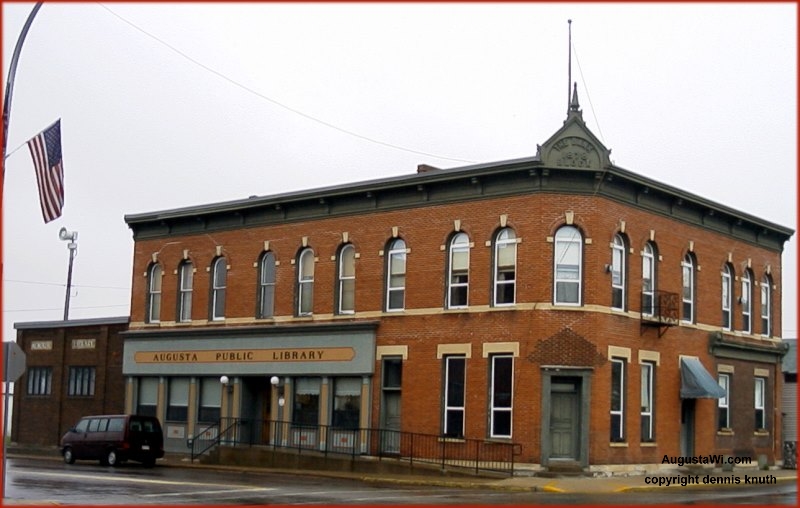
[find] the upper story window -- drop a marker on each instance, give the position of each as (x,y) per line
(458,272)
(727,296)
(266,285)
(766,306)
(649,279)
(219,281)
(568,265)
(81,381)
(40,380)
(747,302)
(618,273)
(346,294)
(396,275)
(305,282)
(154,294)
(687,293)
(505,267)
(185,276)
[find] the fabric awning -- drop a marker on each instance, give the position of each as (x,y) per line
(697,383)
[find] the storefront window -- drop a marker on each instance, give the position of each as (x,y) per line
(347,403)
(306,401)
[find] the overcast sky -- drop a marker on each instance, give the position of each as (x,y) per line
(170,105)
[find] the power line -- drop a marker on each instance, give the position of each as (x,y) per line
(62,308)
(62,285)
(275,102)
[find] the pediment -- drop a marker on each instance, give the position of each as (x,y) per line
(574,146)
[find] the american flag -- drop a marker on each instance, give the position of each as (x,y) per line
(46,152)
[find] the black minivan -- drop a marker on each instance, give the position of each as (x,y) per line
(113,439)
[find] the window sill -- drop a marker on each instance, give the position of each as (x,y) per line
(761,433)
(618,445)
(648,444)
(725,432)
(444,439)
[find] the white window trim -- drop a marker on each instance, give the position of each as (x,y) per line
(492,408)
(154,314)
(724,402)
(621,410)
(760,386)
(447,406)
(766,308)
(185,292)
(578,240)
(266,258)
(305,287)
(219,263)
(389,288)
(727,303)
(649,254)
(747,303)
(687,263)
(618,252)
(497,244)
(453,249)
(343,278)
(650,368)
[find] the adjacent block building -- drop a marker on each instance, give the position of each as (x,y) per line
(73,369)
(583,311)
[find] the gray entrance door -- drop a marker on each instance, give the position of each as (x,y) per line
(687,427)
(390,433)
(564,419)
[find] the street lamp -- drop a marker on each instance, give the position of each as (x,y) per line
(72,238)
(276,382)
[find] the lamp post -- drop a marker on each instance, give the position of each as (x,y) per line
(278,434)
(72,238)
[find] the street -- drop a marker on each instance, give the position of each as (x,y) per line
(45,481)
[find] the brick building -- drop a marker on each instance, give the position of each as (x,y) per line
(589,314)
(73,368)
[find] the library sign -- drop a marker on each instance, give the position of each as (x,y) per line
(272,355)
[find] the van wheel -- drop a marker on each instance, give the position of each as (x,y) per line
(111,458)
(69,458)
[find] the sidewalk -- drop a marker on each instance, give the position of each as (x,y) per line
(697,478)
(716,479)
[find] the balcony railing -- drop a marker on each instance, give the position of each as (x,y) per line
(660,309)
(476,455)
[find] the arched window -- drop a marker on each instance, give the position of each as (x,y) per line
(618,273)
(505,267)
(154,294)
(305,283)
(185,280)
(649,301)
(266,285)
(727,296)
(219,278)
(396,275)
(687,292)
(458,272)
(766,306)
(568,260)
(346,294)
(747,302)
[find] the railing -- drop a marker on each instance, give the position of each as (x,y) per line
(660,308)
(413,448)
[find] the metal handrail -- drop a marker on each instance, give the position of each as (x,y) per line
(462,453)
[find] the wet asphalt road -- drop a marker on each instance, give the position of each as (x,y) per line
(42,481)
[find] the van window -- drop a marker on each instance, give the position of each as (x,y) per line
(93,423)
(82,426)
(149,426)
(103,425)
(116,424)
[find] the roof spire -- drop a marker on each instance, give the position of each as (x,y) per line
(569,61)
(573,105)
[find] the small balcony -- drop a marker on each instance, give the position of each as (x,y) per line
(660,309)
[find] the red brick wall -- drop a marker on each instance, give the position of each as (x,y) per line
(42,420)
(534,219)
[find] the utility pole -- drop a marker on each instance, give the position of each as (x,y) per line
(72,238)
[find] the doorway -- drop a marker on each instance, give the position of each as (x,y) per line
(564,425)
(565,418)
(687,427)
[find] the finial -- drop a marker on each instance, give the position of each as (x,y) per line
(574,106)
